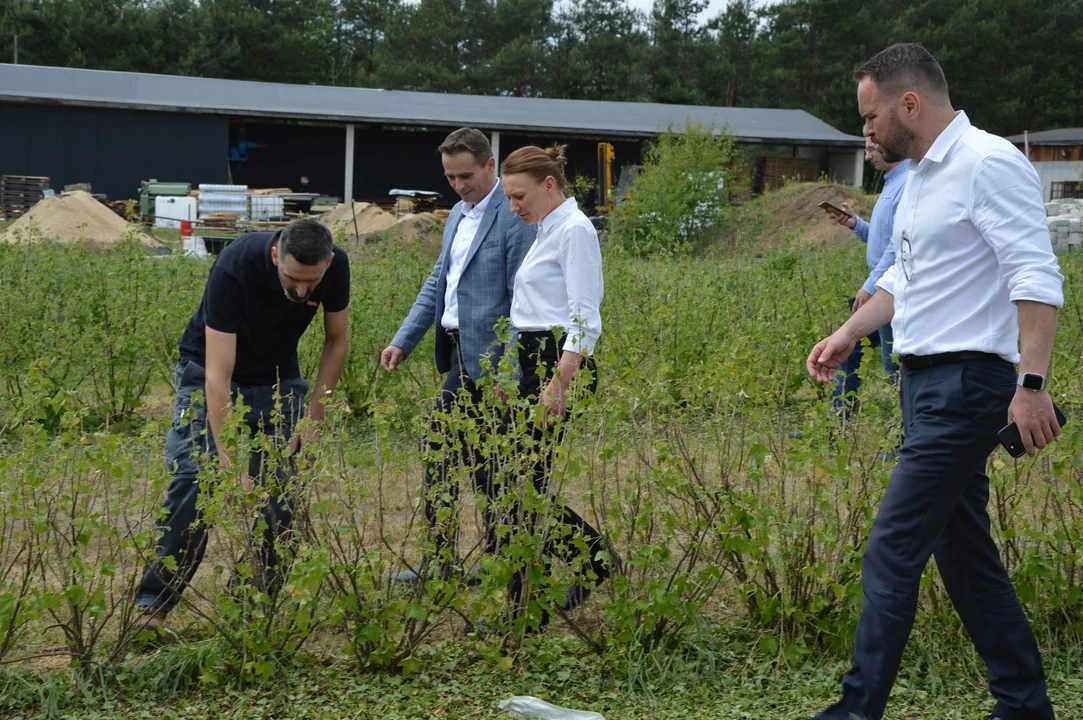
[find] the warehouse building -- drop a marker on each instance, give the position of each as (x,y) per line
(1057,156)
(115,129)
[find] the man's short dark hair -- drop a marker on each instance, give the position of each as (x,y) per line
(307,241)
(467,140)
(904,67)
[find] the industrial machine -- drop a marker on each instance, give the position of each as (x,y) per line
(151,190)
(603,196)
(239,146)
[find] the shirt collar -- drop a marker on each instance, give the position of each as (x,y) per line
(946,139)
(897,171)
(565,209)
(479,209)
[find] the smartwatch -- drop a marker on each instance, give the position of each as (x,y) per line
(1031,381)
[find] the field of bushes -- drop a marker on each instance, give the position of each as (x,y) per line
(735,550)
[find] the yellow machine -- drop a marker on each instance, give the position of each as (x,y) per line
(603,193)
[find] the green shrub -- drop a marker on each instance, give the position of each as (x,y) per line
(680,198)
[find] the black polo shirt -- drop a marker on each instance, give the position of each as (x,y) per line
(244,296)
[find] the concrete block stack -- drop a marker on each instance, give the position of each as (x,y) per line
(1065,221)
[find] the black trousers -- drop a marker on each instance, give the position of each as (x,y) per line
(538,360)
(935,505)
(441,489)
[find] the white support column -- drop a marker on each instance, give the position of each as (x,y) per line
(495,143)
(859,168)
(347,193)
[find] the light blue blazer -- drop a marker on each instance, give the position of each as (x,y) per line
(485,288)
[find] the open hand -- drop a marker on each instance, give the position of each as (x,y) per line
(828,355)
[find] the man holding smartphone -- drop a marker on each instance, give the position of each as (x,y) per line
(975,289)
(880,255)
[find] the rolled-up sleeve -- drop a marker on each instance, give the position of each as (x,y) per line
(581,264)
(1006,207)
(887,280)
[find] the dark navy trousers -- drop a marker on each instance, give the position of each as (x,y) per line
(935,505)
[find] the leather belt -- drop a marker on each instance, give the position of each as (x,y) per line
(921,362)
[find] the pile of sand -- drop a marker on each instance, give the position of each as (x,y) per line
(798,215)
(423,232)
(369,217)
(70,217)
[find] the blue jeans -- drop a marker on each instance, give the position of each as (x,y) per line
(935,505)
(188,444)
(848,379)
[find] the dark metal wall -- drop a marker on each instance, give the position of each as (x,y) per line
(383,159)
(115,149)
(112,149)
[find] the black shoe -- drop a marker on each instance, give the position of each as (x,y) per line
(473,578)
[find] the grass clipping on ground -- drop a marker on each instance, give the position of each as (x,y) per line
(71,217)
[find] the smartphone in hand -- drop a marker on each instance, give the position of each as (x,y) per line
(834,210)
(1013,443)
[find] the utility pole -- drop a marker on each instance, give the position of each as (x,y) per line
(16,48)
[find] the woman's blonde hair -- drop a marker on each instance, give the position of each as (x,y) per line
(537,163)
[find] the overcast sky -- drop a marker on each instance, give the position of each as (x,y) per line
(713,8)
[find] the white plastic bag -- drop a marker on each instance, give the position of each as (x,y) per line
(531,707)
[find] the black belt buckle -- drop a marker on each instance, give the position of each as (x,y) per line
(453,334)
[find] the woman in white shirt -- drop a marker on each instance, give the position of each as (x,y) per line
(559,284)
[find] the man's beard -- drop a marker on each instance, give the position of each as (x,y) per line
(896,147)
(292,297)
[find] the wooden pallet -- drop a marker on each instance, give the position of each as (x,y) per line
(18,193)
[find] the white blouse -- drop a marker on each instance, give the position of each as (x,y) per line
(560,280)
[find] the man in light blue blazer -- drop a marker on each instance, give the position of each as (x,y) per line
(468,291)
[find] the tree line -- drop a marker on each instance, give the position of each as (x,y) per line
(1013,64)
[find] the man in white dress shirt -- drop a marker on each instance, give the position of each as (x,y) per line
(469,290)
(975,278)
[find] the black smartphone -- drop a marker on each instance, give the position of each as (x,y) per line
(1009,435)
(834,210)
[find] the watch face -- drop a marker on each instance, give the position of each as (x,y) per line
(1032,381)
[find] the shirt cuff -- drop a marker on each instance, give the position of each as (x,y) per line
(861,229)
(580,342)
(1039,286)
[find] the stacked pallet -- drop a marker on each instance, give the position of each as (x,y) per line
(19,193)
(773,172)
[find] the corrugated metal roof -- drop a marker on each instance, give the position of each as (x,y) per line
(1064,136)
(31,83)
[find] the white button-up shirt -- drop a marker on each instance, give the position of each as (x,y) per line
(970,240)
(560,280)
(460,247)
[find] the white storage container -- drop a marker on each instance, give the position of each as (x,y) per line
(267,207)
(169,210)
